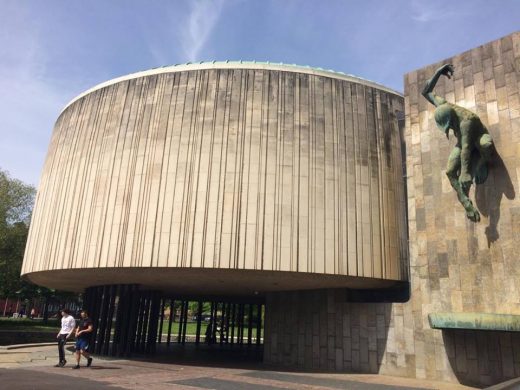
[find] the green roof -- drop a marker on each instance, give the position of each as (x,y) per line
(296,66)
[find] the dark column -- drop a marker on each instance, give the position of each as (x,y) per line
(100,329)
(161,316)
(233,318)
(170,320)
(199,319)
(155,306)
(211,323)
(87,298)
(250,325)
(240,324)
(140,321)
(222,322)
(215,324)
(121,292)
(258,324)
(185,321)
(93,297)
(111,309)
(179,335)
(227,321)
(46,310)
(146,320)
(133,314)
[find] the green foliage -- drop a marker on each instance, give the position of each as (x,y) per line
(16,200)
(16,203)
(26,324)
(12,244)
(193,306)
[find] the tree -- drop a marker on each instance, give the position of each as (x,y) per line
(12,244)
(16,202)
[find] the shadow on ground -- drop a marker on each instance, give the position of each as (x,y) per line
(22,379)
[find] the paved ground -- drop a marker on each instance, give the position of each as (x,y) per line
(32,368)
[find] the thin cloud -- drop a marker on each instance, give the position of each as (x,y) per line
(425,11)
(200,23)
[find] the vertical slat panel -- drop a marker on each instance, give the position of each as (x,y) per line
(225,168)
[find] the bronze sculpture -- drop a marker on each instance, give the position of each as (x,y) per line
(468,159)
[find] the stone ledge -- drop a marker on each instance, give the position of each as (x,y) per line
(475,321)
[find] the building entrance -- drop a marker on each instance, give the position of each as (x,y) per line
(128,320)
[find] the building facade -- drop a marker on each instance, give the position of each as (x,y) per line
(223,178)
(286,186)
(226,180)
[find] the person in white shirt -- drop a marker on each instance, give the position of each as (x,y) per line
(68,324)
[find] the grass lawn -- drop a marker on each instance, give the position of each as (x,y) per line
(26,324)
(53,325)
(191,329)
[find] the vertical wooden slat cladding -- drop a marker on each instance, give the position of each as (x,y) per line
(225,168)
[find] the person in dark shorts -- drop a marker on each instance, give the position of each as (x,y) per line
(67,327)
(83,335)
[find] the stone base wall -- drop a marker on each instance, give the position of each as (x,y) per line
(481,357)
(321,331)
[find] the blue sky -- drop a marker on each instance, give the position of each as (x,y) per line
(50,51)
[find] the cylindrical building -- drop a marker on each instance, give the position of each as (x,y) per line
(227,178)
(234,177)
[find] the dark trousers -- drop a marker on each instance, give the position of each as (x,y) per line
(62,339)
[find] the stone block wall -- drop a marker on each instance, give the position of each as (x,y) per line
(455,265)
(461,265)
(458,265)
(320,330)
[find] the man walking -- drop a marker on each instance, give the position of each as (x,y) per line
(83,334)
(68,323)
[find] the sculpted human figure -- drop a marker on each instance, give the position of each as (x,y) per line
(468,159)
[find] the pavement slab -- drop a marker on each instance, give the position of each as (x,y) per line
(327,382)
(23,379)
(222,384)
(33,368)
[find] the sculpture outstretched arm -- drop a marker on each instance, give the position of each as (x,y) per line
(446,70)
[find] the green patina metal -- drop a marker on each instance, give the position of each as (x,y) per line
(475,321)
(468,160)
(270,63)
(200,65)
